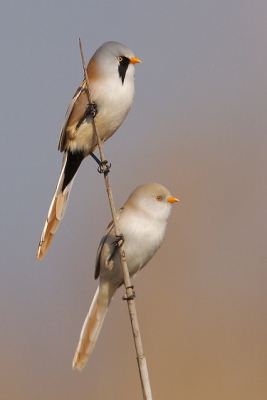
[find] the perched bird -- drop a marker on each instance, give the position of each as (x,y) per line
(142,222)
(111,78)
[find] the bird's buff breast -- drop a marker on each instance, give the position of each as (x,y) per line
(142,240)
(114,101)
(113,106)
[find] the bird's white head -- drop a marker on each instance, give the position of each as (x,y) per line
(153,199)
(113,58)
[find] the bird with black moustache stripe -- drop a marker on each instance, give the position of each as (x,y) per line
(111,78)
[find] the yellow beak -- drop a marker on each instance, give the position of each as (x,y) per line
(134,60)
(172,200)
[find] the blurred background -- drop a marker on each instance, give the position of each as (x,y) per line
(197,126)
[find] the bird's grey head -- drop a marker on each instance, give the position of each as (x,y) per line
(114,57)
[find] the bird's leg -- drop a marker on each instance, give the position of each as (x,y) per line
(91,110)
(104,166)
(117,244)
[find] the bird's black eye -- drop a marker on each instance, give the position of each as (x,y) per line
(159,198)
(119,58)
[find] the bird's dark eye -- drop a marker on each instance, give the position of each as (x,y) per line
(159,198)
(120,58)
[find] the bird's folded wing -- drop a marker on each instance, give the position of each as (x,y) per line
(74,102)
(101,244)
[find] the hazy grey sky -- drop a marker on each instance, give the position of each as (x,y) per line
(197,126)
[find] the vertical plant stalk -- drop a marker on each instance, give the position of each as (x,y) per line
(129,296)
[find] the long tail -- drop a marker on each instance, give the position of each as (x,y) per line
(70,165)
(92,325)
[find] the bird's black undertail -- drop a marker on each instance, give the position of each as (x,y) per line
(74,160)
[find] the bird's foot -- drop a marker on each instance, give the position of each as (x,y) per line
(103,166)
(131,297)
(119,241)
(91,110)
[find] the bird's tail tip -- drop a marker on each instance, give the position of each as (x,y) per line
(79,361)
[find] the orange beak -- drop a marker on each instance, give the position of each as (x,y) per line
(134,60)
(172,200)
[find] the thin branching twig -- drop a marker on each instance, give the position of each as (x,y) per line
(141,359)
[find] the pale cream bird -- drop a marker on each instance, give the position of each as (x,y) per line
(142,222)
(111,79)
